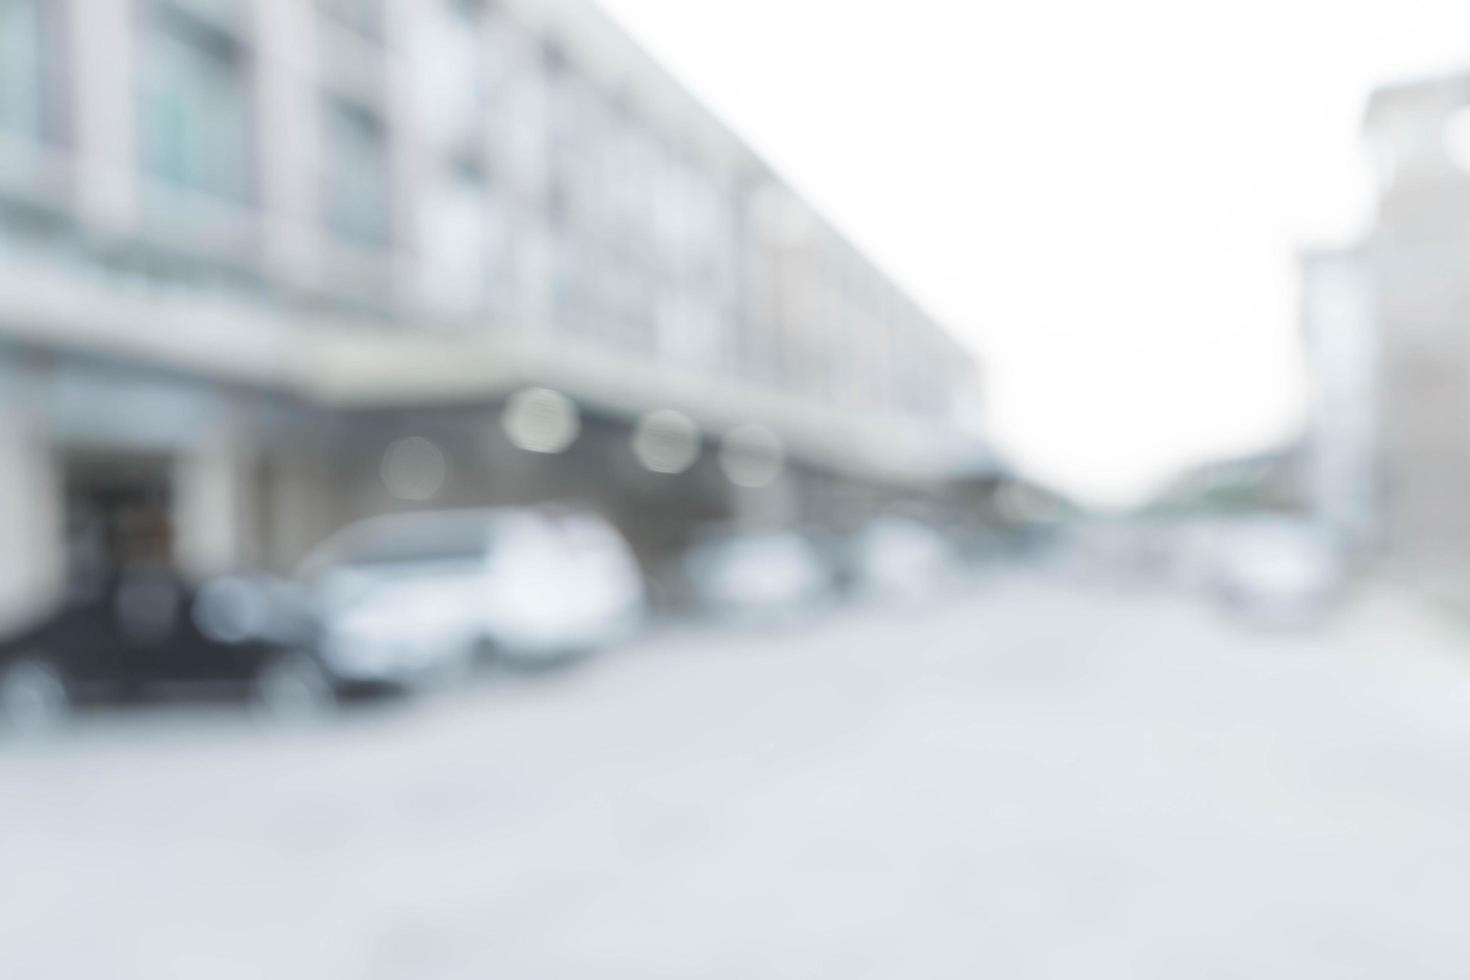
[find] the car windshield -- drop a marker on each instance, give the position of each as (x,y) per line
(413,542)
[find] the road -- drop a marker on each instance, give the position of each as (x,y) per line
(1026,781)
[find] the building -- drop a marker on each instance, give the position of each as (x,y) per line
(1270,481)
(1411,274)
(1341,455)
(270,265)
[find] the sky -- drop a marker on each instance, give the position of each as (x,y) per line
(1104,200)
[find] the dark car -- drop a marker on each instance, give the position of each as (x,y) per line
(145,632)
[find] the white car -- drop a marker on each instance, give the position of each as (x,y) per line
(897,557)
(765,575)
(411,597)
(1277,570)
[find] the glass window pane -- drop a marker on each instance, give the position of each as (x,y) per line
(195,115)
(363,16)
(356,192)
(456,242)
(21,99)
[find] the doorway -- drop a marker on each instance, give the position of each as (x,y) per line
(118,513)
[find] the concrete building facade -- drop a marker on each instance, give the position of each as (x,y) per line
(248,247)
(1414,279)
(1342,454)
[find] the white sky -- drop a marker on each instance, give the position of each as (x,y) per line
(1103,197)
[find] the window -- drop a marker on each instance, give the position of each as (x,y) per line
(457,240)
(21,88)
(231,13)
(355,195)
(364,17)
(450,76)
(450,538)
(195,119)
(563,98)
(568,280)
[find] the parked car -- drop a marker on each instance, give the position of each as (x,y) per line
(143,632)
(414,598)
(1277,570)
(763,575)
(897,557)
(1191,548)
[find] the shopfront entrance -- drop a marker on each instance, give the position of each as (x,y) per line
(118,512)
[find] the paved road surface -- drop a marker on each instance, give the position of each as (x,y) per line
(1028,783)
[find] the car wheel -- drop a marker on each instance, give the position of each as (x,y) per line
(293,688)
(33,697)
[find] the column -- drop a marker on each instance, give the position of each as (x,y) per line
(288,131)
(32,547)
(103,36)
